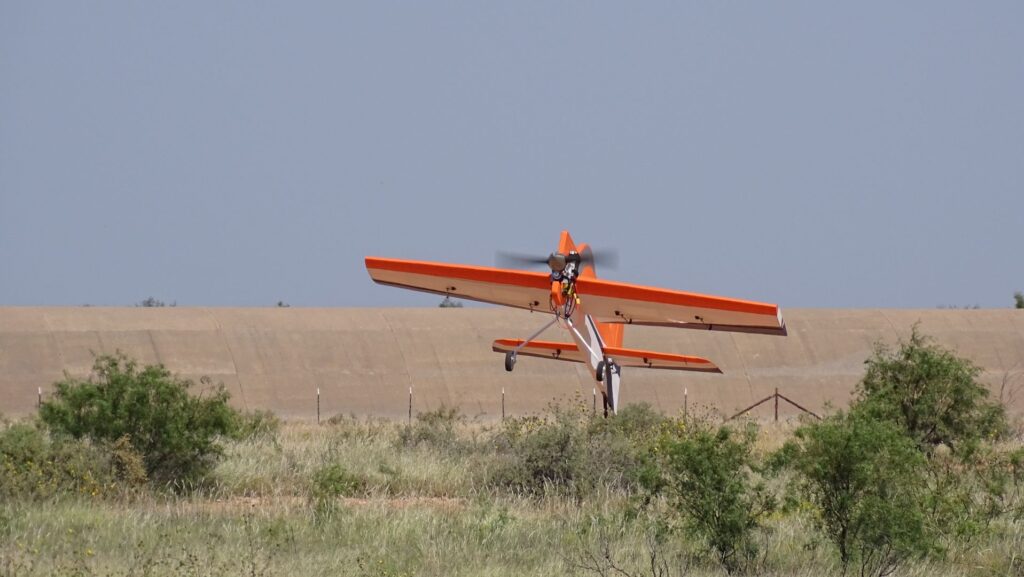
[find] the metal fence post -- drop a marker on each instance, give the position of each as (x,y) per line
(776,404)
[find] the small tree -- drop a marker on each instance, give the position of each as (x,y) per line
(931,393)
(152,302)
(864,480)
(706,474)
(1018,298)
(176,433)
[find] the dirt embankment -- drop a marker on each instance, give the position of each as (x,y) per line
(365,360)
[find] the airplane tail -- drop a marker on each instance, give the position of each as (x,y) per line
(611,333)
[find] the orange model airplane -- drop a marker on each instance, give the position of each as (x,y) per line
(593,311)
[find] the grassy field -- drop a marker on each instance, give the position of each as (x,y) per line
(360,497)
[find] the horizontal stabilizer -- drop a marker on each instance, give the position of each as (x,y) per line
(622,357)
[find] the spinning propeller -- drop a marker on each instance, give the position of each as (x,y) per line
(557,261)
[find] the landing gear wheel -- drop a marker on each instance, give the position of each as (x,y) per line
(609,369)
(510,361)
(600,371)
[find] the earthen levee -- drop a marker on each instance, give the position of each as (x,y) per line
(365,360)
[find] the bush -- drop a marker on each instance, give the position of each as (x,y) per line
(707,476)
(638,422)
(930,393)
(574,454)
(327,484)
(541,455)
(175,433)
(34,465)
(864,480)
(435,428)
(968,491)
(334,480)
(255,425)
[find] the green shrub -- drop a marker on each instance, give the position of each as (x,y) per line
(35,465)
(574,453)
(967,492)
(863,478)
(707,475)
(435,428)
(255,425)
(637,422)
(334,480)
(175,433)
(542,455)
(930,393)
(327,484)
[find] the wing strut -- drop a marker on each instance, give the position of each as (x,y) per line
(534,335)
(510,357)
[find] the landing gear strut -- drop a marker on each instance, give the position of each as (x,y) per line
(605,372)
(510,356)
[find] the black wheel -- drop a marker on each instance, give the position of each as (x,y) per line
(609,369)
(600,371)
(510,361)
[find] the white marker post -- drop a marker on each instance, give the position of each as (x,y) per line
(410,405)
(318,405)
(686,399)
(503,403)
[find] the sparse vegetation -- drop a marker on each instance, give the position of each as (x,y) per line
(320,500)
(153,302)
(450,303)
(564,492)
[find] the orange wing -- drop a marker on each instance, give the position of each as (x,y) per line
(623,357)
(522,289)
(615,302)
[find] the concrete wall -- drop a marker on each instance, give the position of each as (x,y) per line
(364,360)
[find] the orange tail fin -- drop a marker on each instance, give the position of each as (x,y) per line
(611,333)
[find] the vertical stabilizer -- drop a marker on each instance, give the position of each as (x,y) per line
(611,333)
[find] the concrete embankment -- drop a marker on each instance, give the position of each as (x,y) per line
(365,360)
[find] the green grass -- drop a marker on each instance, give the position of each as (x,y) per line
(425,509)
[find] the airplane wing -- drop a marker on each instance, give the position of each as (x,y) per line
(615,302)
(514,288)
(623,357)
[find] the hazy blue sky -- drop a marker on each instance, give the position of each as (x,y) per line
(241,153)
